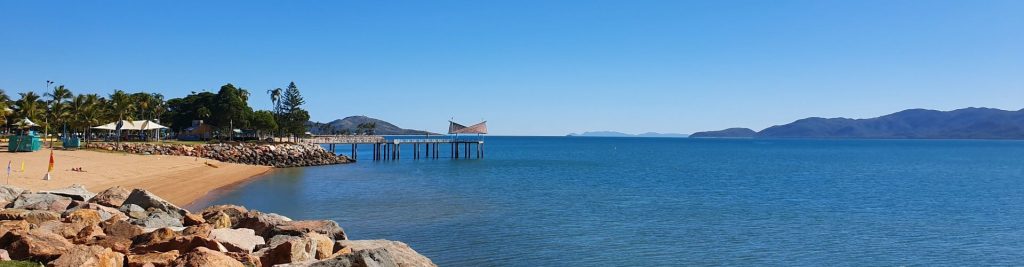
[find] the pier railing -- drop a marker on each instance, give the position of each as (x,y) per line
(384,149)
(344,139)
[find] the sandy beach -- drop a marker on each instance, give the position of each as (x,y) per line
(178,179)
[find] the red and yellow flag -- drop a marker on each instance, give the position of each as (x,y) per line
(51,162)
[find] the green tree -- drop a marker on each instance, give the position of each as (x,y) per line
(180,112)
(230,108)
(29,106)
(5,107)
(275,98)
(58,112)
(263,122)
(86,110)
(122,106)
(294,118)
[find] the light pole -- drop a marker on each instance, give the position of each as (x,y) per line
(46,119)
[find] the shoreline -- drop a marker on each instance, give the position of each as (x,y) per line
(204,201)
(178,179)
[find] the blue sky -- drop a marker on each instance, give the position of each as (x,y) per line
(536,67)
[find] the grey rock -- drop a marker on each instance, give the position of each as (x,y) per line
(133,211)
(237,240)
(104,211)
(297,228)
(37,201)
(75,192)
(287,249)
(261,223)
(112,197)
(9,193)
(149,201)
(159,220)
(372,253)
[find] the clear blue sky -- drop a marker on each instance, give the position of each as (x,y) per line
(536,67)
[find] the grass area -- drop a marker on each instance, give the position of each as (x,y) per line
(19,264)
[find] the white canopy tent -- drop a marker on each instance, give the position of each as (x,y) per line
(143,125)
(25,123)
(140,125)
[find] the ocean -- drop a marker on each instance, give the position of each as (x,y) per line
(587,201)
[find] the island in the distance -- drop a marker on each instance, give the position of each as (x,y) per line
(727,133)
(619,134)
(967,123)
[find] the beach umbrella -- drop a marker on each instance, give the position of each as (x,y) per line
(25,123)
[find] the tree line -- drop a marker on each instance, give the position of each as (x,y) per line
(227,108)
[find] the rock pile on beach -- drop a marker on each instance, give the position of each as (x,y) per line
(132,227)
(277,155)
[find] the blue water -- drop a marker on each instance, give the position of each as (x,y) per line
(559,201)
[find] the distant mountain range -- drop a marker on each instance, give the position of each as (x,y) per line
(727,133)
(968,123)
(618,134)
(350,123)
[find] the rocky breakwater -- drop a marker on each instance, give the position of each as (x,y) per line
(121,227)
(277,155)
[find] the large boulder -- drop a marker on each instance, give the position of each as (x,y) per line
(237,240)
(247,259)
(182,243)
(148,201)
(375,253)
(36,245)
(298,228)
(233,212)
(120,228)
(13,226)
(192,219)
(105,212)
(324,245)
(202,230)
(287,249)
(40,216)
(37,201)
(202,257)
(262,223)
(13,214)
(219,220)
(156,236)
(112,197)
(89,256)
(153,259)
(400,252)
(83,216)
(70,231)
(159,220)
(115,243)
(133,211)
(75,192)
(9,193)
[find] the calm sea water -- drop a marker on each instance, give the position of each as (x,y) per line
(559,201)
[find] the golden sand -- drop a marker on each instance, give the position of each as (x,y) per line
(180,180)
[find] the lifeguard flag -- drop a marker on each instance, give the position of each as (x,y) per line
(9,167)
(51,162)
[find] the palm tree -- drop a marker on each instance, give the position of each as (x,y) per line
(157,106)
(58,107)
(244,94)
(29,106)
(122,107)
(87,110)
(5,106)
(275,97)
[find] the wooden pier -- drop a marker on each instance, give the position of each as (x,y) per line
(384,150)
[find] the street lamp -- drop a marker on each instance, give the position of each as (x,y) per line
(46,119)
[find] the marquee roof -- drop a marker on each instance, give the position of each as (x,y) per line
(479,128)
